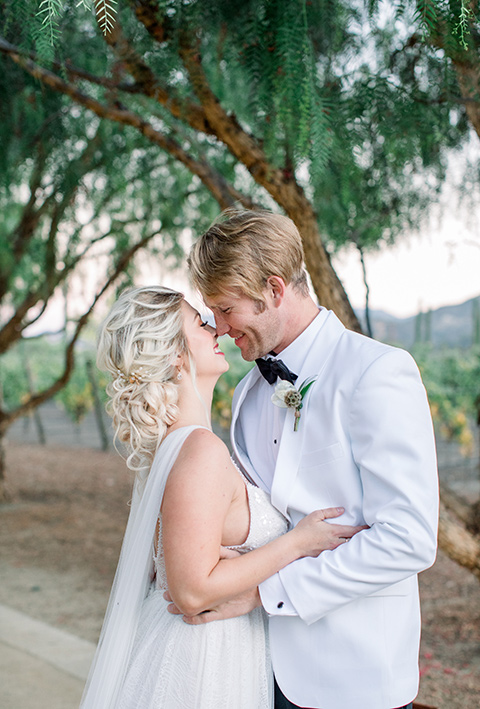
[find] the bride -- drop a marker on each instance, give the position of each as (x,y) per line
(196,526)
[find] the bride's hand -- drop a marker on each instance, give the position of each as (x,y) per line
(314,535)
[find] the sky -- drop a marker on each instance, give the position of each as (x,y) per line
(439,267)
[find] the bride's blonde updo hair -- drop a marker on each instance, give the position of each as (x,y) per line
(139,343)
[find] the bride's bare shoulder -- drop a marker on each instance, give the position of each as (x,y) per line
(204,440)
(203,453)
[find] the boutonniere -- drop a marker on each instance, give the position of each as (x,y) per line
(287,396)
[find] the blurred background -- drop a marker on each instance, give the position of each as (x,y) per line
(125,129)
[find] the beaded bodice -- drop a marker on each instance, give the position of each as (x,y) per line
(266,522)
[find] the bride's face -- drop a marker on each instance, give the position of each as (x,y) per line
(202,343)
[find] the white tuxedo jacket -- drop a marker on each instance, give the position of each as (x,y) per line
(345,627)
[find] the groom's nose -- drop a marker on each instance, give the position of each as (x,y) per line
(222,326)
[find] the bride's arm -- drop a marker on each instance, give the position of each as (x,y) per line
(197,499)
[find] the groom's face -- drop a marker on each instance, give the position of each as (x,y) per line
(256,331)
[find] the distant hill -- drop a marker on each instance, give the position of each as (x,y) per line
(450,326)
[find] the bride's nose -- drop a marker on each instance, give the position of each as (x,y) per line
(212,331)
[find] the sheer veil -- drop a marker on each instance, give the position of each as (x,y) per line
(132,579)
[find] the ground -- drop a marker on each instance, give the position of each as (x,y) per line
(60,536)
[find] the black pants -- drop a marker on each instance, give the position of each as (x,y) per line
(281,702)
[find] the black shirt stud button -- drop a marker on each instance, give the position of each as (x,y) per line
(280,605)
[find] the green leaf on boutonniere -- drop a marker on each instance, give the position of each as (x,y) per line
(287,396)
(306,386)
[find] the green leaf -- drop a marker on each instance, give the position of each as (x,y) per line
(106,14)
(306,385)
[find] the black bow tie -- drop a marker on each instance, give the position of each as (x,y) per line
(273,368)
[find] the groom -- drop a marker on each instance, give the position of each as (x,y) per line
(344,627)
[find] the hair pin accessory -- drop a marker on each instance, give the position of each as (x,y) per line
(135,377)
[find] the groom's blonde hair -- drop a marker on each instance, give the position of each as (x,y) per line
(242,249)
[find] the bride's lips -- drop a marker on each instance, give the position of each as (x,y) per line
(218,351)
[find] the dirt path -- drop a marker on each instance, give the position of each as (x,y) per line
(59,542)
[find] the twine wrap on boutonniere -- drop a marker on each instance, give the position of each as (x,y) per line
(287,396)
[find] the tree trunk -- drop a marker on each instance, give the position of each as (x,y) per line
(459,544)
(4,496)
(3,429)
(37,419)
(327,285)
(458,534)
(368,321)
(468,76)
(98,408)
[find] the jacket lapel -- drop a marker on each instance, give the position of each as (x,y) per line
(291,445)
(238,445)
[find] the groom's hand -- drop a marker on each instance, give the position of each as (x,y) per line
(240,605)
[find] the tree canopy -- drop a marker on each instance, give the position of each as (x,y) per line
(300,106)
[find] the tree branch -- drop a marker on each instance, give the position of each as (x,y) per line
(146,83)
(7,418)
(37,316)
(12,330)
(367,290)
(224,193)
(149,85)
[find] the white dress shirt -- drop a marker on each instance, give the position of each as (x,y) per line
(260,420)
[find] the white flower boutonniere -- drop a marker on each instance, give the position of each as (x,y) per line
(287,396)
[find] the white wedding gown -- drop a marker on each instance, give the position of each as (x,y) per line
(219,665)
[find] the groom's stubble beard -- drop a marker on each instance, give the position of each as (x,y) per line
(261,337)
